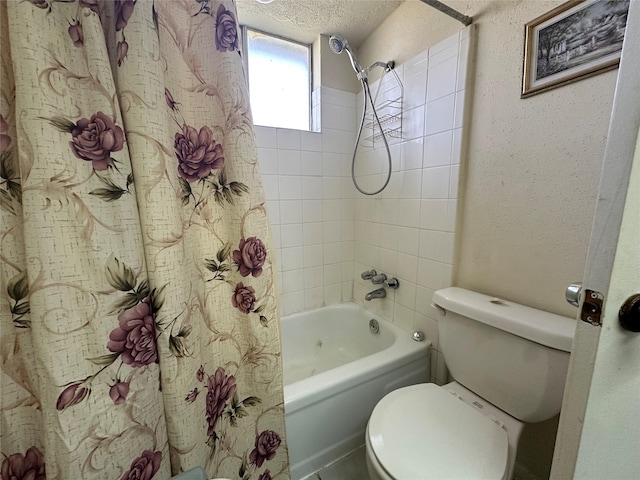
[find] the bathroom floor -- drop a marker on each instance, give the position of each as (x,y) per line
(354,467)
(351,467)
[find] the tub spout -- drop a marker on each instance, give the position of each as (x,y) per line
(379,293)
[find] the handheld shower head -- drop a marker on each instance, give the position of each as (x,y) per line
(337,44)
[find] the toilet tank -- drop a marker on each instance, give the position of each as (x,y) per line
(513,356)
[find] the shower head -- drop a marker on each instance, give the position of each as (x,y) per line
(337,44)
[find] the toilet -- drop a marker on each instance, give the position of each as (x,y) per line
(509,364)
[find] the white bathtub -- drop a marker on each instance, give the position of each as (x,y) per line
(335,371)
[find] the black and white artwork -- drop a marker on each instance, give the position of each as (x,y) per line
(576,40)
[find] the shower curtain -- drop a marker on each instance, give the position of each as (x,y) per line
(140,330)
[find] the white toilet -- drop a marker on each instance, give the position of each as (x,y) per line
(509,363)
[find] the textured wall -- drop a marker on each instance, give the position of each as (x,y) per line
(534,167)
(409,29)
(335,70)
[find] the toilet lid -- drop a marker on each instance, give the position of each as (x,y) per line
(423,431)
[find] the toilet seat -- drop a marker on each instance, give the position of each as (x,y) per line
(423,431)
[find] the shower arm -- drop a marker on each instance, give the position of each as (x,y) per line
(363,74)
(386,66)
(449,11)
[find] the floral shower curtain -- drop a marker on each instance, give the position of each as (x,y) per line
(140,332)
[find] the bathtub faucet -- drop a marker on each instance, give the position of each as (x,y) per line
(379,293)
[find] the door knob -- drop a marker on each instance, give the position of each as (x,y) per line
(629,314)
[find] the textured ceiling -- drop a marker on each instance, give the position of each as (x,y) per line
(304,20)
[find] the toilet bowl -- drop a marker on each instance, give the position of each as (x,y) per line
(420,432)
(509,364)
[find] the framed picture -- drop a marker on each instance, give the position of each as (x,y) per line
(578,39)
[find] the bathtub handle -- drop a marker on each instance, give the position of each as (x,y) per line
(368,275)
(379,279)
(393,283)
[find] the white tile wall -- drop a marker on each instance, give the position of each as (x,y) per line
(310,207)
(326,233)
(409,232)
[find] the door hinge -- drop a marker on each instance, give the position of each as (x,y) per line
(592,308)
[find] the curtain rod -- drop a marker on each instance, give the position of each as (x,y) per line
(449,11)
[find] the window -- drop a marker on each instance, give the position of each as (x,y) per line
(279,72)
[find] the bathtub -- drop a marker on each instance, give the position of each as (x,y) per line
(335,371)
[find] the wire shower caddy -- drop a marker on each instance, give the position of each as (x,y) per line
(389,110)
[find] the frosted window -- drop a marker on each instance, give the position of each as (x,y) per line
(279,81)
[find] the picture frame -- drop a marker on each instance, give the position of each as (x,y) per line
(576,40)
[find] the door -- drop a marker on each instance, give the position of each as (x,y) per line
(599,432)
(610,441)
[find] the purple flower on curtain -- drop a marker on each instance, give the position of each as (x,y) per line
(266,475)
(5,140)
(95,138)
(124,10)
(72,395)
(169,99)
(39,4)
(144,467)
(250,256)
(91,4)
(118,392)
(221,388)
(265,447)
(244,297)
(197,152)
(134,339)
(121,49)
(200,373)
(29,466)
(226,30)
(77,34)
(192,395)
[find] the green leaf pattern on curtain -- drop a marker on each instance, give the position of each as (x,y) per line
(140,329)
